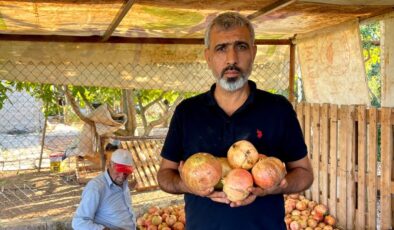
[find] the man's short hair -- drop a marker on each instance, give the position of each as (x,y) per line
(227,21)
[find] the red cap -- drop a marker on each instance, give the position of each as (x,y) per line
(123,168)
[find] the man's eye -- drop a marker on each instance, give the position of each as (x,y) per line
(242,47)
(220,48)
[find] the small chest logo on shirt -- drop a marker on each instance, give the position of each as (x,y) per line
(259,133)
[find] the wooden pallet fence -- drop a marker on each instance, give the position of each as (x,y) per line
(351,150)
(146,156)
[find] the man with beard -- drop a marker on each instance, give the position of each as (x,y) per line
(234,109)
(106,200)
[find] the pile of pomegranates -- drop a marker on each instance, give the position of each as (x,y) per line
(302,213)
(168,218)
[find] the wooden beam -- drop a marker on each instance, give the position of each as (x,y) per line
(118,18)
(142,40)
(270,8)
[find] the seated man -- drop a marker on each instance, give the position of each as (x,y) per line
(106,200)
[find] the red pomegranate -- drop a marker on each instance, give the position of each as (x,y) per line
(236,184)
(201,171)
(268,172)
(242,154)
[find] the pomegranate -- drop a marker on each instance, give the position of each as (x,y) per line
(201,171)
(312,223)
(312,204)
(225,166)
(156,219)
(321,209)
(294,225)
(268,172)
(329,220)
(178,226)
(242,154)
(317,216)
(236,184)
(300,205)
(153,209)
(225,170)
(171,220)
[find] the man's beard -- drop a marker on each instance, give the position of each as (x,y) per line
(232,84)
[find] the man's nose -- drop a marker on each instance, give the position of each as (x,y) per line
(232,56)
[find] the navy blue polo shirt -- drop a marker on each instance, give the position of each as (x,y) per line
(200,125)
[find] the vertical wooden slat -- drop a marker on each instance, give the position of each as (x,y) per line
(350,171)
(315,151)
(308,140)
(324,140)
(342,156)
(386,159)
(333,159)
(299,108)
(138,172)
(371,167)
(301,119)
(150,164)
(145,160)
(361,169)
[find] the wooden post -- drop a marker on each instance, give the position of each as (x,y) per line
(292,72)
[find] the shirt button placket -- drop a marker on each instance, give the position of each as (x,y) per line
(228,132)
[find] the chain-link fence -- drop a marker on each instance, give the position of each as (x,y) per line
(47,112)
(40,117)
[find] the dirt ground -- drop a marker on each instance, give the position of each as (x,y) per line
(47,200)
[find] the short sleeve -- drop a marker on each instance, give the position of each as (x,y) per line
(293,147)
(173,147)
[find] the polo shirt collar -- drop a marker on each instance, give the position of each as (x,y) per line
(108,178)
(252,86)
(110,182)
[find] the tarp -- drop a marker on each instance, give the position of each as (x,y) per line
(87,143)
(150,66)
(332,65)
(176,19)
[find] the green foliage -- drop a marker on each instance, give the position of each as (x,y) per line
(370,36)
(102,95)
(4,88)
(44,92)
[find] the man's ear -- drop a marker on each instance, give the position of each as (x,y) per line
(254,48)
(207,57)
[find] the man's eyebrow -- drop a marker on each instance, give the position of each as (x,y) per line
(222,44)
(230,43)
(241,43)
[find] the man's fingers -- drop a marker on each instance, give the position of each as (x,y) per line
(221,200)
(283,183)
(246,201)
(180,166)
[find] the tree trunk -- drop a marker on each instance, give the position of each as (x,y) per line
(130,111)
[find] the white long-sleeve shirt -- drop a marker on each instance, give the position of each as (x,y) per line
(104,204)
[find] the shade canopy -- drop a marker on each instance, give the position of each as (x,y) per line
(273,19)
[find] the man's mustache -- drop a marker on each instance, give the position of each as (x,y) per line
(231,67)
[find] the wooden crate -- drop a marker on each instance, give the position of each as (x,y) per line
(344,143)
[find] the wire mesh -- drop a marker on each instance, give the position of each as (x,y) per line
(37,119)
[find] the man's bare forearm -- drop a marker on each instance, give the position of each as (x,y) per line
(170,181)
(298,179)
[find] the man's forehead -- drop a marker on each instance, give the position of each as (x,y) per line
(232,34)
